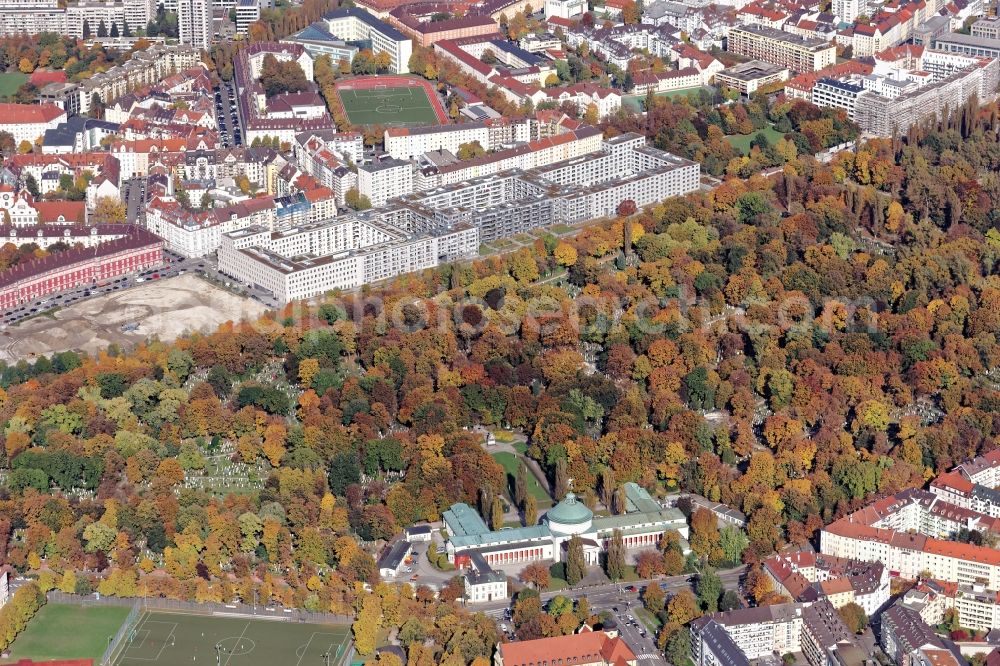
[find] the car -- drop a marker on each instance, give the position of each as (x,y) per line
(631,588)
(630,618)
(156,276)
(414,576)
(503,627)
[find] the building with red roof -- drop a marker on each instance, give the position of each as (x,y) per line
(137,250)
(28,122)
(587,648)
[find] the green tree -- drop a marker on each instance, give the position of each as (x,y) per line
(709,588)
(576,563)
(615,562)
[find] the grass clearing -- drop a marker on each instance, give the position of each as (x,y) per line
(510,464)
(741,142)
(652,622)
(10,82)
(67,631)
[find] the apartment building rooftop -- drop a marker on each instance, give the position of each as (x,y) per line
(810,43)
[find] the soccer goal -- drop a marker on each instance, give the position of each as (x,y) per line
(126,634)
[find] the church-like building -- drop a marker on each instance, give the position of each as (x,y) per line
(642,525)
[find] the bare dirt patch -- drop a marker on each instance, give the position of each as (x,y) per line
(164,309)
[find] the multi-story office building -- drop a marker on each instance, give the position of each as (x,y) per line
(356,25)
(799,54)
(194,22)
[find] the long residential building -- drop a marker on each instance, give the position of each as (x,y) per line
(407,143)
(884,116)
(137,250)
(146,67)
(799,54)
(341,253)
(910,534)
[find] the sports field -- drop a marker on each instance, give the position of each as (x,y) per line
(407,106)
(10,82)
(65,631)
(169,639)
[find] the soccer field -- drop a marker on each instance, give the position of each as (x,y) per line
(171,639)
(401,106)
(65,631)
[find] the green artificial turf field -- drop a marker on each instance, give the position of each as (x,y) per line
(402,106)
(65,631)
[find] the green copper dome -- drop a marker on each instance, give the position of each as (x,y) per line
(570,511)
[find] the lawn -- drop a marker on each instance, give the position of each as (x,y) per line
(170,639)
(66,631)
(10,82)
(652,622)
(635,102)
(741,142)
(402,106)
(510,464)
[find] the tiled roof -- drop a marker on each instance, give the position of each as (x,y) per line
(586,647)
(28,114)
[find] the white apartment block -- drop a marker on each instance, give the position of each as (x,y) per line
(199,234)
(586,187)
(837,94)
(344,253)
(138,13)
(799,54)
(762,631)
(354,24)
(407,143)
(388,179)
(247,12)
(883,116)
(94,13)
(28,122)
(540,153)
(194,23)
(31,17)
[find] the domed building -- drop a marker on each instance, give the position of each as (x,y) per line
(641,526)
(569,517)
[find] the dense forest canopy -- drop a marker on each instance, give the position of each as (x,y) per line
(790,345)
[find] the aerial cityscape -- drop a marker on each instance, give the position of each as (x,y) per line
(491,333)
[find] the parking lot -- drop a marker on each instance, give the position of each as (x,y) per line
(123,313)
